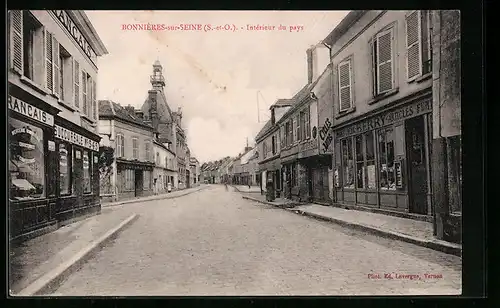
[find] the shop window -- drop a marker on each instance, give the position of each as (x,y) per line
(135,148)
(360,162)
(27,163)
(338,164)
(87,172)
(370,161)
(129,179)
(64,169)
(383,61)
(147,180)
(347,163)
(418,44)
(386,159)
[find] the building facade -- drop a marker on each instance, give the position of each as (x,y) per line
(132,140)
(165,173)
(382,84)
(52,111)
(195,172)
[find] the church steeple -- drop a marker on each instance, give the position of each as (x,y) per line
(157,79)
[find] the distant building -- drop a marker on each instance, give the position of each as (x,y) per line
(165,171)
(132,140)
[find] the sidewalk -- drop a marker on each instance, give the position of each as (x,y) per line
(37,265)
(174,194)
(245,189)
(408,230)
(278,202)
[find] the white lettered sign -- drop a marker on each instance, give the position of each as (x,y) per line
(30,111)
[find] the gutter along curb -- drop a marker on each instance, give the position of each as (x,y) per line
(160,197)
(52,279)
(434,244)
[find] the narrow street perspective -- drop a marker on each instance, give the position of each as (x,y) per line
(215,243)
(156,153)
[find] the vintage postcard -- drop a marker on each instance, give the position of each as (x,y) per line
(242,153)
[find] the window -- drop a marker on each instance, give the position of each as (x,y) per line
(347,163)
(264,148)
(87,172)
(418,44)
(273,141)
(76,78)
(345,85)
(386,159)
(157,158)
(64,169)
(282,136)
(84,92)
(290,132)
(307,122)
(87,94)
(147,180)
(300,126)
(147,150)
(128,180)
(120,145)
(65,75)
(383,61)
(27,161)
(135,148)
(295,124)
(287,134)
(26,45)
(365,161)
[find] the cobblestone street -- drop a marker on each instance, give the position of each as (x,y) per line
(213,242)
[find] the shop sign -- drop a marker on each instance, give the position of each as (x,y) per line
(402,113)
(30,111)
(399,174)
(308,148)
(326,137)
(72,137)
(77,35)
(78,154)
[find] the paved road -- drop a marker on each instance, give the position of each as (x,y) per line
(214,242)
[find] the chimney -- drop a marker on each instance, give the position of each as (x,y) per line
(153,110)
(130,110)
(310,65)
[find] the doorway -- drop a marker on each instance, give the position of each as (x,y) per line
(188,180)
(138,183)
(417,165)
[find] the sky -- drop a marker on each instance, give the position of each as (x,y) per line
(224,81)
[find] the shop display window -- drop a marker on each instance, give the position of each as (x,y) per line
(386,159)
(87,172)
(347,163)
(65,169)
(26,161)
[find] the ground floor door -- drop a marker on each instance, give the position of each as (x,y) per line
(139,179)
(188,180)
(416,140)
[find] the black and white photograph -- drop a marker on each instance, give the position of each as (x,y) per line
(234,153)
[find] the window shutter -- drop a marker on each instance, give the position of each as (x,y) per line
(56,66)
(384,61)
(345,85)
(84,92)
(76,76)
(49,66)
(308,122)
(16,40)
(294,130)
(413,48)
(94,101)
(90,109)
(282,136)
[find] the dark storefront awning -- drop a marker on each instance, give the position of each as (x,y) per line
(271,165)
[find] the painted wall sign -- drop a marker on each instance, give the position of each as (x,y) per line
(63,17)
(402,113)
(30,111)
(326,137)
(67,135)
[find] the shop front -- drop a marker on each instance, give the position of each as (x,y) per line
(271,169)
(75,157)
(134,178)
(382,161)
(32,178)
(290,172)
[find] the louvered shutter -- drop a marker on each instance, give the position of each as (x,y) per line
(76,77)
(345,85)
(282,136)
(94,101)
(294,129)
(56,66)
(384,62)
(49,66)
(90,110)
(413,48)
(84,91)
(16,40)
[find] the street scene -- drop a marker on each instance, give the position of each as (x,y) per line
(189,153)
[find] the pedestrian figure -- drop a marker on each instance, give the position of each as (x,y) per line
(270,190)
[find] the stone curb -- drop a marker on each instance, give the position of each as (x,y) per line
(51,280)
(270,203)
(442,246)
(162,197)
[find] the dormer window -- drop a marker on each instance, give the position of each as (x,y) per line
(273,118)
